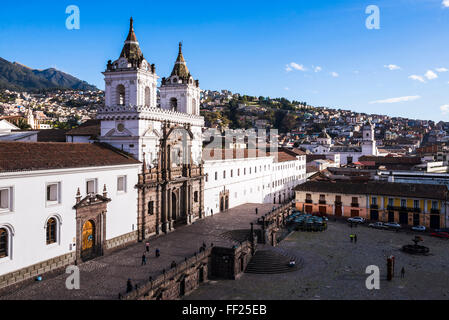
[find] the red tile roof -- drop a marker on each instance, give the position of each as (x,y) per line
(29,156)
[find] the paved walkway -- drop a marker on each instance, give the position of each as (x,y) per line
(105,277)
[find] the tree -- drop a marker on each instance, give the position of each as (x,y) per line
(23,125)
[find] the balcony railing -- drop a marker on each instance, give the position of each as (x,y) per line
(375,206)
(338,203)
(354,205)
(435,211)
(322,202)
(403,209)
(309,201)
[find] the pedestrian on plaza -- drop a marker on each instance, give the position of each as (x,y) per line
(158,253)
(257,211)
(147,246)
(144,259)
(402,272)
(355,238)
(129,286)
(173,264)
(351,237)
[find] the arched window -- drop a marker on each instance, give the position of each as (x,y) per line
(51,231)
(121,94)
(4,237)
(147,96)
(174,104)
(194,111)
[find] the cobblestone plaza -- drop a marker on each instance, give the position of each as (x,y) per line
(334,268)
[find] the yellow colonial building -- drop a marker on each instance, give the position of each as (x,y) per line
(407,204)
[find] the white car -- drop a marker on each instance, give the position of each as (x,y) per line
(356,220)
(419,228)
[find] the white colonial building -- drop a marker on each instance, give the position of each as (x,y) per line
(61,203)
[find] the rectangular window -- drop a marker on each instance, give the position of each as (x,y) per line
(52,192)
(374,201)
(195,196)
(416,204)
(403,203)
(390,202)
(121,184)
(434,205)
(4,199)
(238,172)
(151,208)
(91,186)
(232,173)
(224,174)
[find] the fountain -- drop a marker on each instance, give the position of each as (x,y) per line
(415,248)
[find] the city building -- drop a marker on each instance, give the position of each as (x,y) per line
(407,204)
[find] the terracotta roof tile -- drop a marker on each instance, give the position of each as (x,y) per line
(28,156)
(427,191)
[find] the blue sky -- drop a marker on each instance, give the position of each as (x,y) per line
(315,51)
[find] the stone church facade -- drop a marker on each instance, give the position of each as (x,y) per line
(166,138)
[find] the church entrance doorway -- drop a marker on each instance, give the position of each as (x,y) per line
(88,245)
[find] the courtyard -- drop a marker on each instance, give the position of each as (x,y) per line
(334,268)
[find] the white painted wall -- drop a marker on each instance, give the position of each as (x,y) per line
(31,211)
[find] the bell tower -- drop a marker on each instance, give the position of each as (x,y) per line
(130,93)
(180,92)
(368,142)
(131,80)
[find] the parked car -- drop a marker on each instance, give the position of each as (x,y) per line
(419,228)
(442,230)
(392,225)
(356,220)
(378,225)
(443,235)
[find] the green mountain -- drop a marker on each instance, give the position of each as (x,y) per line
(15,76)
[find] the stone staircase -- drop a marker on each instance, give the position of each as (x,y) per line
(272,261)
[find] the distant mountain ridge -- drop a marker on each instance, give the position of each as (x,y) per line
(16,76)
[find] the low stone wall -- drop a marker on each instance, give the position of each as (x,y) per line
(175,283)
(120,242)
(29,273)
(272,222)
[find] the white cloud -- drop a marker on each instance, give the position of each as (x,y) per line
(441,69)
(445,3)
(286,88)
(334,74)
(318,69)
(431,75)
(288,68)
(417,78)
(392,67)
(445,109)
(397,100)
(296,66)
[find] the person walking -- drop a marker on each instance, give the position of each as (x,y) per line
(402,272)
(147,246)
(144,259)
(351,237)
(129,286)
(158,253)
(355,238)
(257,211)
